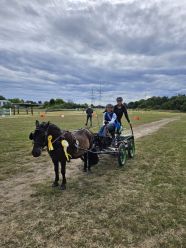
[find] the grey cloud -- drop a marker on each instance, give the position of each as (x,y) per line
(64,48)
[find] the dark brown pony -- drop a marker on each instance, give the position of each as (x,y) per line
(79,143)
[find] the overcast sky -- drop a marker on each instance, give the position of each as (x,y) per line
(64,48)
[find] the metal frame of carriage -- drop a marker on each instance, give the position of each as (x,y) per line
(124,148)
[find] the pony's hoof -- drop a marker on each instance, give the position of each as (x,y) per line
(89,172)
(55,184)
(63,187)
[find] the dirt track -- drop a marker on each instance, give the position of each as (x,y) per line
(18,188)
(149,128)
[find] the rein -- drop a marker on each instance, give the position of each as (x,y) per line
(56,139)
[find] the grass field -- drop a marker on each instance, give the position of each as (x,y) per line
(141,205)
(15,146)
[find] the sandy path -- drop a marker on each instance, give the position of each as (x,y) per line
(19,188)
(149,128)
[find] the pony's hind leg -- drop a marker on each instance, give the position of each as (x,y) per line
(88,161)
(85,158)
(63,172)
(56,170)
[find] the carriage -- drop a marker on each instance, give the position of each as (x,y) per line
(121,146)
(62,146)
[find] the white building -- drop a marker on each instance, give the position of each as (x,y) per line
(4,103)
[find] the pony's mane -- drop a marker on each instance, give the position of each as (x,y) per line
(52,126)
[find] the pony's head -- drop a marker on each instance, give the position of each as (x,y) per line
(39,137)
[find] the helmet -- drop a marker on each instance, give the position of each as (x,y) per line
(119,99)
(109,106)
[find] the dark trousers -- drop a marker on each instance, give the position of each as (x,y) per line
(119,120)
(89,117)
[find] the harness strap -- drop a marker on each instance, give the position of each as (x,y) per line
(64,143)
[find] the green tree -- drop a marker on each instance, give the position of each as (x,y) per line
(2,98)
(52,101)
(16,100)
(172,103)
(59,101)
(183,107)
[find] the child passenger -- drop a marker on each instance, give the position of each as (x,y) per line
(110,122)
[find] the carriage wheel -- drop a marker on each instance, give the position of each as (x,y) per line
(122,156)
(131,149)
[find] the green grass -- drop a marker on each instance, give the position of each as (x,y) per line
(15,146)
(141,205)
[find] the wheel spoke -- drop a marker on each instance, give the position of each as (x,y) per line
(122,155)
(131,149)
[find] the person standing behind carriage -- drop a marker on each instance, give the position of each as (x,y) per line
(89,112)
(120,109)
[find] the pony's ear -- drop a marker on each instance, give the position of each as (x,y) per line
(31,136)
(37,123)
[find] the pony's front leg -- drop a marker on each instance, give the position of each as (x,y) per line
(63,172)
(87,166)
(56,170)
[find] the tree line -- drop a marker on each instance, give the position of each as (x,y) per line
(18,100)
(52,104)
(55,104)
(165,103)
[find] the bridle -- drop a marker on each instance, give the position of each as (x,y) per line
(44,143)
